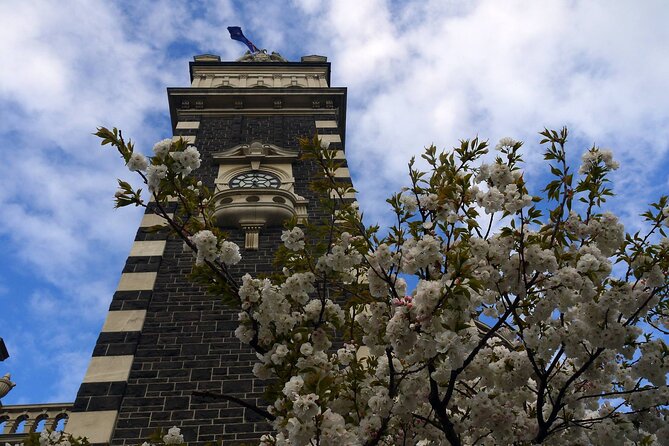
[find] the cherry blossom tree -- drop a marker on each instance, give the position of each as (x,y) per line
(487,314)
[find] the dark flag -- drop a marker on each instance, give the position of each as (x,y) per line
(236,34)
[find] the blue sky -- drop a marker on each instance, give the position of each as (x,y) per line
(418,73)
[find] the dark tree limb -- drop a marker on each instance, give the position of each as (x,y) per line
(221,397)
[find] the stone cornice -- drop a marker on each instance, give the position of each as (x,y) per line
(273,67)
(190,102)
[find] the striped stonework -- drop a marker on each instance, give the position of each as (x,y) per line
(329,134)
(96,426)
(96,408)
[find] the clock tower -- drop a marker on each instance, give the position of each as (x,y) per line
(164,337)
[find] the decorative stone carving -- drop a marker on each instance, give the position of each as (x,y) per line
(261,56)
(239,153)
(253,206)
(252,235)
(6,385)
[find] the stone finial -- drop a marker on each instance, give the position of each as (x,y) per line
(6,385)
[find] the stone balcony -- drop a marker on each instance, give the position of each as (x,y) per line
(268,206)
(17,421)
(253,209)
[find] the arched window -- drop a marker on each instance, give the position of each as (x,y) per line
(61,421)
(40,423)
(20,425)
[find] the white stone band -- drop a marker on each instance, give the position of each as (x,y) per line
(104,369)
(96,426)
(147,248)
(326,124)
(188,125)
(153,220)
(136,281)
(124,320)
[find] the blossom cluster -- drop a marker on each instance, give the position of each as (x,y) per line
(173,436)
(52,438)
(58,438)
(528,320)
(512,323)
(210,248)
(156,168)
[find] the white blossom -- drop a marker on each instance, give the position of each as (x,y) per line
(137,162)
(594,156)
(409,202)
(293,386)
(506,142)
(206,243)
(229,253)
(154,174)
(186,161)
(293,239)
(161,148)
(173,436)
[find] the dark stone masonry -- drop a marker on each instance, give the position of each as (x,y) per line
(187,340)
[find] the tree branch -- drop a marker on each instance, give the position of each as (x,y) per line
(221,397)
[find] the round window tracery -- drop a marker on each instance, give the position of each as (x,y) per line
(255,180)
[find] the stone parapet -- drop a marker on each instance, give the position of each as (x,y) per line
(17,421)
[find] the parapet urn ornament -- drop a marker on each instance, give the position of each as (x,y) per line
(6,385)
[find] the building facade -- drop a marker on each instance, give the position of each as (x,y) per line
(164,337)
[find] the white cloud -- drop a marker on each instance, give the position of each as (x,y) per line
(417,72)
(437,72)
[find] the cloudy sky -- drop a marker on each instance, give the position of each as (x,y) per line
(418,72)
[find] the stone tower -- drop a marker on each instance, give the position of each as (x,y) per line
(163,337)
